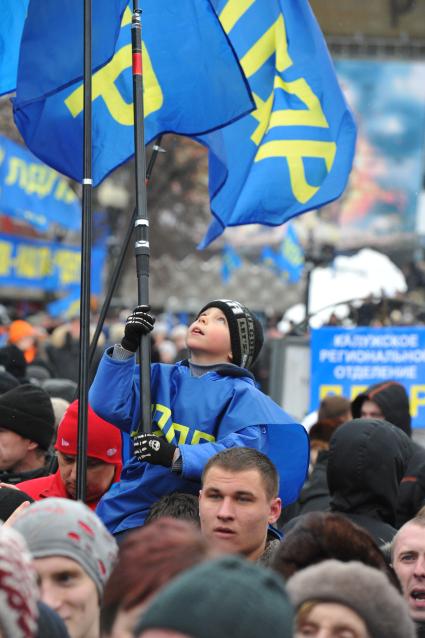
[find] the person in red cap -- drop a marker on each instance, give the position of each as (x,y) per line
(103,463)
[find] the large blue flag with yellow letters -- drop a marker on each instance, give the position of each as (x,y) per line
(192,79)
(294,152)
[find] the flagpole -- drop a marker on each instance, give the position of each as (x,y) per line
(142,247)
(86,238)
(120,260)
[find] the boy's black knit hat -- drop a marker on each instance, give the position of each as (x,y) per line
(246,332)
(28,411)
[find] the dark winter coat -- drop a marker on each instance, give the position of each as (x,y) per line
(392,399)
(315,496)
(367,460)
(420,629)
(12,478)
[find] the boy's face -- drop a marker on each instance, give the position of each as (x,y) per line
(208,338)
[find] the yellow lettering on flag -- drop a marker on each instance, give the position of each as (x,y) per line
(273,42)
(104,85)
(312,116)
(232,12)
(295,151)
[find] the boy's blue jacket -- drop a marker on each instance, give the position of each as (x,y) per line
(216,411)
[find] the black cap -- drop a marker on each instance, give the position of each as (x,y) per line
(28,411)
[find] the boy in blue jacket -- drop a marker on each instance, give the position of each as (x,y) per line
(200,406)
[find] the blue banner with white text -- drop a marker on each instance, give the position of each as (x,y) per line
(294,152)
(48,266)
(346,361)
(34,192)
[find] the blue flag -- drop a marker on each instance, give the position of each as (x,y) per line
(67,306)
(34,192)
(291,255)
(231,261)
(12,18)
(47,61)
(288,259)
(294,152)
(192,79)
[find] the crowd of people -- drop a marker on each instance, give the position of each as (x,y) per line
(226,519)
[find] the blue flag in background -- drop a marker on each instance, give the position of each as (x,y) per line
(68,306)
(231,261)
(192,79)
(291,255)
(288,259)
(294,152)
(34,192)
(12,18)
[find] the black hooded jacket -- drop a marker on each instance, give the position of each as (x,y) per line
(392,399)
(367,460)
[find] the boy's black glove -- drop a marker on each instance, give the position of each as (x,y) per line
(139,323)
(153,449)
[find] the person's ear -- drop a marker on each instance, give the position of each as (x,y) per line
(275,510)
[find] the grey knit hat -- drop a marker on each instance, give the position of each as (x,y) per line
(229,596)
(60,527)
(363,589)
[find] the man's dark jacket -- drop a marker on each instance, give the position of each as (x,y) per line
(367,460)
(392,399)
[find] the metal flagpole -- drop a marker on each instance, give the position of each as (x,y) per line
(120,259)
(142,248)
(86,238)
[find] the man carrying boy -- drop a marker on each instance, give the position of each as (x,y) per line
(210,400)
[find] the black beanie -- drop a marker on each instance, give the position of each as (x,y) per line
(10,500)
(7,381)
(13,360)
(246,332)
(28,411)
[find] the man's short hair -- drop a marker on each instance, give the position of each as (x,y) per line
(418,520)
(241,459)
(175,505)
